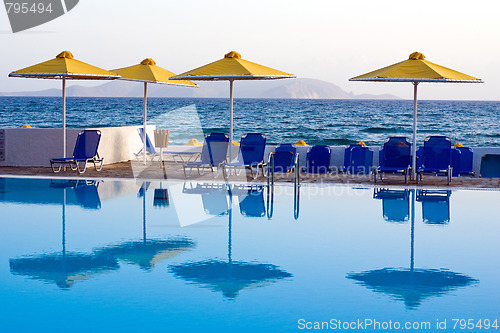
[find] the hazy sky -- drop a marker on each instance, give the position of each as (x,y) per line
(331,40)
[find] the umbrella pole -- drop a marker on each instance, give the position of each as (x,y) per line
(230,225)
(64,224)
(414,143)
(144,120)
(144,213)
(230,118)
(64,116)
(412,232)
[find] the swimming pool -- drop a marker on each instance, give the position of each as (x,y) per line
(129,256)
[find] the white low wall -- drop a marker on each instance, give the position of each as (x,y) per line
(36,146)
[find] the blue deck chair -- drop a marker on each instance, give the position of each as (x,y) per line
(395,204)
(213,154)
(490,166)
(436,157)
(150,149)
(394,157)
(284,159)
(251,199)
(358,160)
(251,155)
(435,206)
(462,161)
(318,160)
(85,152)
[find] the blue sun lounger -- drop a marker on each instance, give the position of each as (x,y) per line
(284,159)
(436,157)
(318,160)
(490,166)
(461,161)
(251,155)
(150,149)
(395,157)
(213,154)
(358,160)
(85,152)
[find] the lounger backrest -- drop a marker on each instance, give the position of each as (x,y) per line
(283,161)
(318,159)
(437,152)
(466,159)
(490,166)
(397,153)
(252,148)
(87,144)
(149,146)
(214,149)
(360,161)
(284,158)
(286,147)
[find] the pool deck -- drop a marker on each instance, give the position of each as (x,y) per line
(174,171)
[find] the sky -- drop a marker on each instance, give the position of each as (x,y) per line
(330,40)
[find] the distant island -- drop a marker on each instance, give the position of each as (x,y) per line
(289,88)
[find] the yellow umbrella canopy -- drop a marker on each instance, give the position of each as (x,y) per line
(231,68)
(148,72)
(416,69)
(64,67)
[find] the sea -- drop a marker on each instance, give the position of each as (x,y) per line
(330,122)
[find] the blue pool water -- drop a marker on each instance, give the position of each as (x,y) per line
(328,122)
(133,256)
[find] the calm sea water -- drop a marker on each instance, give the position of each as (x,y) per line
(331,122)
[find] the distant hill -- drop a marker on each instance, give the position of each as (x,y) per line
(288,88)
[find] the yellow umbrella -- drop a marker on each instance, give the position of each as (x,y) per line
(416,69)
(64,67)
(148,72)
(231,68)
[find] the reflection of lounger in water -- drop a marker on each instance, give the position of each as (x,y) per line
(395,204)
(435,206)
(251,199)
(213,196)
(85,191)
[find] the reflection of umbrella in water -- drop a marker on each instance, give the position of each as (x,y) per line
(63,268)
(229,277)
(412,285)
(147,252)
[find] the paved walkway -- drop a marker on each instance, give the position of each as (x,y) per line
(171,170)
